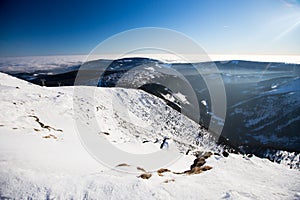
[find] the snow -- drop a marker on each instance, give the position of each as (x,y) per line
(274,86)
(37,163)
(169,97)
(204,102)
(182,98)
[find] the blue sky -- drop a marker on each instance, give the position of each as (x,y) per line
(220,26)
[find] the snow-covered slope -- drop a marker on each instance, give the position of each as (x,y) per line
(41,155)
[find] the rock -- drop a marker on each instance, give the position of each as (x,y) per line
(50,136)
(198,170)
(162,170)
(141,169)
(169,180)
(225,153)
(195,170)
(145,176)
(198,162)
(205,168)
(207,155)
(123,165)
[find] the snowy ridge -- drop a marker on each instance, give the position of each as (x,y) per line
(291,159)
(42,156)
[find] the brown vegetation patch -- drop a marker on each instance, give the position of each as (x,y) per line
(178,173)
(205,168)
(50,136)
(169,180)
(198,166)
(123,165)
(198,162)
(145,176)
(141,169)
(207,154)
(43,125)
(197,170)
(161,171)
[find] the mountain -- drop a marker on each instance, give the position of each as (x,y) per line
(262,99)
(43,156)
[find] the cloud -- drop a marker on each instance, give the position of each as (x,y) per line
(41,63)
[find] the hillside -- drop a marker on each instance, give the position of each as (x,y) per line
(43,155)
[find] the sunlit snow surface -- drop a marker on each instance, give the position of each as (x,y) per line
(34,166)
